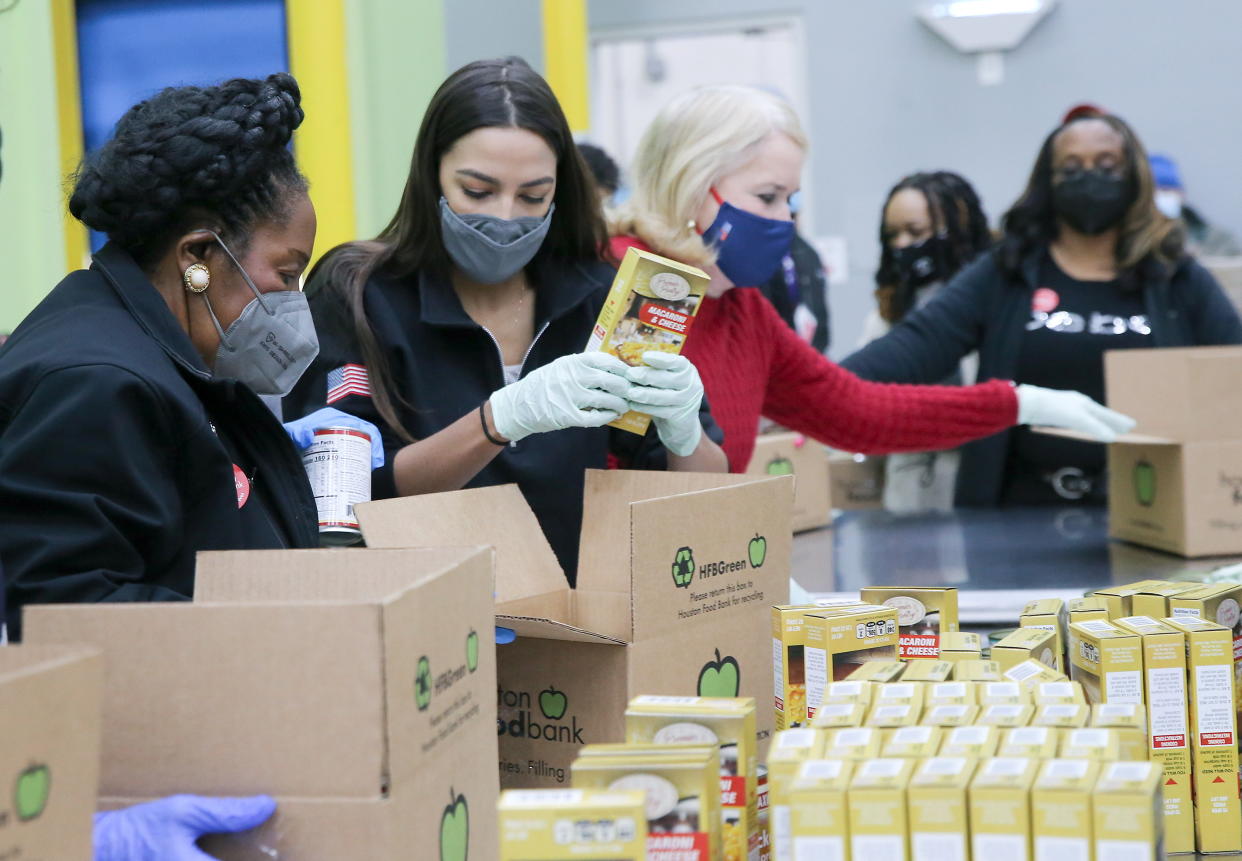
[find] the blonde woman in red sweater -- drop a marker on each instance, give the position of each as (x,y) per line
(711,184)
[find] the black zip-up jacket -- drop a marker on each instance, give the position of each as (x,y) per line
(444,365)
(117,451)
(983,309)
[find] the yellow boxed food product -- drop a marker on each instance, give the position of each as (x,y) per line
(1120,598)
(1048,614)
(1084,610)
(891,717)
(950,715)
(1064,716)
(977,742)
(790,748)
(1006,715)
(922,613)
(859,743)
(788,658)
(1058,693)
(1037,742)
(1153,601)
(1002,694)
(976,671)
(1090,743)
(651,306)
(1107,662)
(1130,722)
(1031,673)
(837,644)
(960,646)
(730,725)
(1000,808)
(927,672)
(899,693)
(1167,721)
(1061,809)
(683,798)
(849,692)
(939,809)
(1025,644)
(570,824)
(840,715)
(879,824)
(819,811)
(1127,817)
(915,742)
(879,672)
(1213,734)
(1219,604)
(951,694)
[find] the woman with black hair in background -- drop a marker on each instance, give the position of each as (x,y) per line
(1086,264)
(459,330)
(931,226)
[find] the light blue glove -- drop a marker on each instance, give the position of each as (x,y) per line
(505,636)
(166,830)
(303,430)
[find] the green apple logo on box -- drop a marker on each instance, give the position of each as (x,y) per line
(31,792)
(422,684)
(472,651)
(553,703)
(780,466)
(720,678)
(1145,483)
(683,567)
(758,551)
(455,829)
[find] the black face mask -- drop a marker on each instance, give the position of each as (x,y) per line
(922,263)
(1092,201)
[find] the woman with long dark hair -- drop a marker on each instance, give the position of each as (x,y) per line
(459,330)
(1086,264)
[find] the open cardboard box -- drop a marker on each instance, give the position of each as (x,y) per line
(677,574)
(49,751)
(1176,483)
(857,481)
(357,686)
(807,461)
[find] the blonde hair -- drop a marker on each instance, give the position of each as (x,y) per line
(698,138)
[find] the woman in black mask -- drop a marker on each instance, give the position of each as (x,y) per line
(1086,264)
(931,226)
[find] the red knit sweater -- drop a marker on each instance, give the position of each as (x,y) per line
(753,365)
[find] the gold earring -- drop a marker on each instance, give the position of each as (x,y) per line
(196,277)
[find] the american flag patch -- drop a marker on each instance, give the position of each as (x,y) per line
(348,380)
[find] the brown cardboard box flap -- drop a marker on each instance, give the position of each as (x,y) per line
(550,629)
(1187,394)
(1134,438)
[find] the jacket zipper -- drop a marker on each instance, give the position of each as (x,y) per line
(500,355)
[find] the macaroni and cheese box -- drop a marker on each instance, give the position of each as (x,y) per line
(1002,694)
(651,306)
(879,823)
(1000,808)
(1153,600)
(922,613)
(960,646)
(977,742)
(1058,693)
(1061,809)
(1128,821)
(1219,604)
(976,671)
(1090,743)
(819,811)
(928,672)
(840,715)
(950,715)
(939,809)
(1063,716)
(1006,715)
(837,644)
(849,692)
(951,694)
(1107,662)
(728,724)
(788,658)
(915,742)
(855,743)
(1213,734)
(790,748)
(1086,609)
(1120,599)
(899,693)
(570,824)
(1036,742)
(879,672)
(1130,722)
(1025,644)
(1048,614)
(890,717)
(1032,673)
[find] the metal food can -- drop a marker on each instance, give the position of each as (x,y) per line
(338,464)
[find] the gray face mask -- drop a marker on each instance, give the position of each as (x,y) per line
(271,343)
(488,249)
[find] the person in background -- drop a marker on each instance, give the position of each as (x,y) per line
(931,225)
(1086,264)
(1203,239)
(712,181)
(604,170)
(799,289)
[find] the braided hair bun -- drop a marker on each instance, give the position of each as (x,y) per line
(193,153)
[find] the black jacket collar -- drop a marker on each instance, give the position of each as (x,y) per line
(561,287)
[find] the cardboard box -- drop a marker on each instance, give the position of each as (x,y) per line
(1107,662)
(879,823)
(1000,808)
(838,643)
(976,742)
(940,809)
(1002,694)
(857,481)
(1006,715)
(922,614)
(878,672)
(1213,734)
(571,824)
(1034,742)
(950,716)
(1152,601)
(819,811)
(807,461)
(1061,809)
(1217,603)
(928,672)
(1167,720)
(1048,614)
(858,744)
(976,671)
(651,306)
(1062,716)
(1090,743)
(1086,609)
(49,750)
(913,742)
(1176,484)
(677,575)
(960,646)
(1127,816)
(951,694)
(839,716)
(1030,674)
(377,740)
(1130,722)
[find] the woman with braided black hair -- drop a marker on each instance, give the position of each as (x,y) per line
(131,430)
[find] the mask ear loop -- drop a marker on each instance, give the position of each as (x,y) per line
(245,276)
